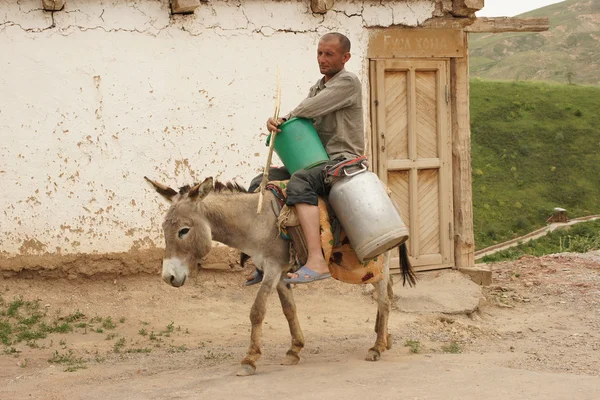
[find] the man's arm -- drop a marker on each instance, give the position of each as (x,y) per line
(337,94)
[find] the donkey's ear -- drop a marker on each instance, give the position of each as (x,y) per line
(201,190)
(163,190)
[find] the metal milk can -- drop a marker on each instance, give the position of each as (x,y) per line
(367,214)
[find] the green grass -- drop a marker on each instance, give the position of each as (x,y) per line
(413,345)
(177,349)
(119,345)
(534,147)
(579,238)
(68,359)
(139,350)
(76,316)
(24,322)
(453,348)
(108,323)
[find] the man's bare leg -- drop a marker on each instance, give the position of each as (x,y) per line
(311,227)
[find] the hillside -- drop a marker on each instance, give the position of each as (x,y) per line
(535,146)
(568,52)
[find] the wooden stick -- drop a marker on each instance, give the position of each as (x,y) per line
(263,183)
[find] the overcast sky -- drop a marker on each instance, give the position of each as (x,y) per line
(510,8)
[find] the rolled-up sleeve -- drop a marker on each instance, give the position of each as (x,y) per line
(337,94)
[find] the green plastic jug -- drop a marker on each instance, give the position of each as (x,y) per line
(298,145)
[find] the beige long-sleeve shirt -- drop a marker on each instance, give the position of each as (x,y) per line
(336,110)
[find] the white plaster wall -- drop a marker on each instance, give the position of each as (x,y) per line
(96,96)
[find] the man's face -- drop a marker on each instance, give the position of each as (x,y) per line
(331,57)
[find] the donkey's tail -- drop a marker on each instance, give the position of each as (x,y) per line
(408,274)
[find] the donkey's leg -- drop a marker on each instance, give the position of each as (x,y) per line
(390,293)
(289,310)
(383,340)
(257,315)
(383,288)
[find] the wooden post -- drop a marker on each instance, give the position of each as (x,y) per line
(464,243)
(321,6)
(373,143)
(53,5)
(466,8)
(184,6)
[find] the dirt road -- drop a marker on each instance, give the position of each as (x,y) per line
(536,335)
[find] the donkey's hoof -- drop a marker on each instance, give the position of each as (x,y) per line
(373,355)
(290,359)
(246,370)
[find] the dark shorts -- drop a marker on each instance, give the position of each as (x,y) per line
(305,186)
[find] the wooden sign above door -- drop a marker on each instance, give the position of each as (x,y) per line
(416,42)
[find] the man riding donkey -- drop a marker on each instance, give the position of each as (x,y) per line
(334,103)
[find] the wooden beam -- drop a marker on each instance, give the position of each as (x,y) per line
(507,24)
(464,242)
(482,25)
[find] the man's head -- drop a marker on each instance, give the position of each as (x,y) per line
(333,52)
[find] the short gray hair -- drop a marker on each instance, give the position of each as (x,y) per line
(343,40)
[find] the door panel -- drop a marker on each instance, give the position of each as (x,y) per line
(398,184)
(429,211)
(427,126)
(396,114)
(412,143)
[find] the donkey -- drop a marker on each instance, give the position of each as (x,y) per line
(227,213)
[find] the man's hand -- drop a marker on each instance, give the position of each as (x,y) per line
(272,125)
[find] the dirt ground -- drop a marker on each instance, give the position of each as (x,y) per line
(535,334)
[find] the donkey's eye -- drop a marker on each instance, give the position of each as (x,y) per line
(182,232)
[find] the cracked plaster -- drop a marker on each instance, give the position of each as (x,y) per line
(100,94)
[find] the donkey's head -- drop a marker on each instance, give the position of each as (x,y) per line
(186,229)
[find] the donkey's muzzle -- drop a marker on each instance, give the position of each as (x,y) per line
(174,272)
(174,281)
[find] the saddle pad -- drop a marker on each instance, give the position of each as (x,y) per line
(343,262)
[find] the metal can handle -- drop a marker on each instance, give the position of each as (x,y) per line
(364,168)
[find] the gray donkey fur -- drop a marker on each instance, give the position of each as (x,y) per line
(226,213)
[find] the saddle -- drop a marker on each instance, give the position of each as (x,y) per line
(344,265)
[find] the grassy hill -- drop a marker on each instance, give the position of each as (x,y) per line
(535,146)
(579,238)
(568,53)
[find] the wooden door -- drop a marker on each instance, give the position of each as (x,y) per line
(411,152)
